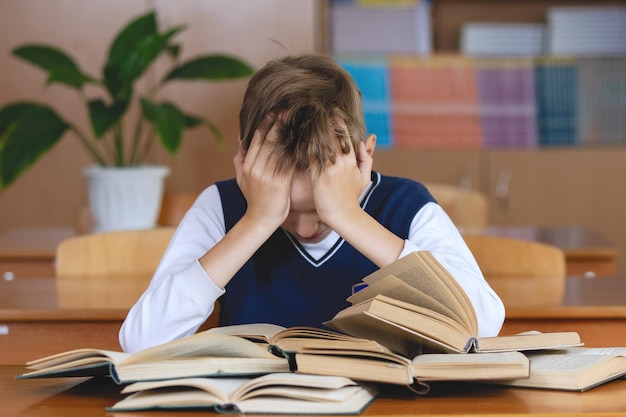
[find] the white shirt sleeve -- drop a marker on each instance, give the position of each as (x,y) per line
(432,230)
(181,295)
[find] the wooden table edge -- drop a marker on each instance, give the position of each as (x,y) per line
(567,312)
(15,315)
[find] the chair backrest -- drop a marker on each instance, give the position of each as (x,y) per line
(522,272)
(469,210)
(132,252)
(109,269)
(174,207)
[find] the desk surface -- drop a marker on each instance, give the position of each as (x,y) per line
(32,242)
(36,325)
(79,397)
(577,242)
(37,299)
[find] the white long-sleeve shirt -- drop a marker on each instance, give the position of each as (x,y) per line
(181,295)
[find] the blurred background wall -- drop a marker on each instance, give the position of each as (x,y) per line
(53,192)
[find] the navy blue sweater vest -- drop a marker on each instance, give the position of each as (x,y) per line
(281,284)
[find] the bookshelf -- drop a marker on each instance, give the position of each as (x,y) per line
(567,174)
(553,77)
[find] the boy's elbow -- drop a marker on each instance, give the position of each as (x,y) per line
(127,343)
(492,318)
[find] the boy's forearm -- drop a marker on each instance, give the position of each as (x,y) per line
(370,238)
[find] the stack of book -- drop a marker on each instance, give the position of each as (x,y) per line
(381,27)
(556,82)
(587,31)
(601,101)
(461,102)
(502,39)
(210,370)
(411,325)
(507,102)
(434,103)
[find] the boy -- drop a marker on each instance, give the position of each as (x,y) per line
(304,219)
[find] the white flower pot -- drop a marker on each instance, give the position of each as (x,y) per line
(122,198)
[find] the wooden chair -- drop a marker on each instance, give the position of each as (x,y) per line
(469,210)
(521,272)
(108,270)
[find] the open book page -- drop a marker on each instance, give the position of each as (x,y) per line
(279,393)
(422,271)
(81,356)
(393,287)
(300,338)
(79,362)
(255,331)
(201,344)
(303,339)
(372,367)
(526,341)
(200,354)
(575,369)
(402,327)
(472,367)
(201,366)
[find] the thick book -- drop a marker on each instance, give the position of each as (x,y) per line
(573,369)
(279,393)
(202,354)
(323,352)
(414,305)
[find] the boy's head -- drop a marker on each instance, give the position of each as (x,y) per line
(313,100)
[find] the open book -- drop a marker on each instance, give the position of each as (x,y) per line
(573,369)
(414,303)
(202,354)
(323,352)
(280,393)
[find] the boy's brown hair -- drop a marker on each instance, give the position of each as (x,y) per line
(312,98)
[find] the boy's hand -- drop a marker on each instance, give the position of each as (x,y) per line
(267,194)
(336,190)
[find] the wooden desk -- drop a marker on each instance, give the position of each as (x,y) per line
(594,307)
(587,252)
(88,398)
(33,325)
(29,252)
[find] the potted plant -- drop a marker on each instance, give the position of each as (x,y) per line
(28,130)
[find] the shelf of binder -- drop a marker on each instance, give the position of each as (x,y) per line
(561,82)
(465,102)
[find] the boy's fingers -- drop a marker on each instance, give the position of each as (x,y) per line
(260,155)
(253,150)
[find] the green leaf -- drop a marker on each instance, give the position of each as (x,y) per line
(104,117)
(61,68)
(194,121)
(27,132)
(126,40)
(168,121)
(217,133)
(211,67)
(132,52)
(173,50)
